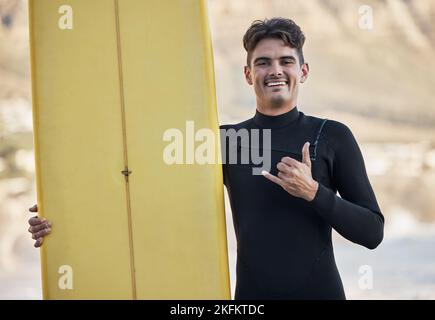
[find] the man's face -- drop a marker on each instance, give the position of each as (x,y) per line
(275,73)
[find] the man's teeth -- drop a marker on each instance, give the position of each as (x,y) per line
(273,84)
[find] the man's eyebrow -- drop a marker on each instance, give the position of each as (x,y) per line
(281,58)
(262,58)
(288,57)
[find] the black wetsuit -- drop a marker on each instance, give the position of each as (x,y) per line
(284,247)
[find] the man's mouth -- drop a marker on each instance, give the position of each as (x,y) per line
(275,83)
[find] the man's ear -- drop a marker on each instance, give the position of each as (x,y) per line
(305,69)
(248,75)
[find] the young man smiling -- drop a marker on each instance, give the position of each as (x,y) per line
(283,219)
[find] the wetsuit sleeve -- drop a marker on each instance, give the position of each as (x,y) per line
(356,215)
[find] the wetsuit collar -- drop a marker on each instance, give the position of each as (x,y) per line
(281,120)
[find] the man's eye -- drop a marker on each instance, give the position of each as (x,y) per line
(261,63)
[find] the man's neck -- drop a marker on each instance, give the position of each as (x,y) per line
(276,111)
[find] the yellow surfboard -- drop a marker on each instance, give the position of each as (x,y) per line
(109,77)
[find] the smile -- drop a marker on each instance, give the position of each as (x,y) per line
(276,84)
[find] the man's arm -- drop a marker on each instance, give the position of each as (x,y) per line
(356,215)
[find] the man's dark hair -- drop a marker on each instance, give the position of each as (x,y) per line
(278,28)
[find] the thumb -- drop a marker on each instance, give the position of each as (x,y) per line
(306,154)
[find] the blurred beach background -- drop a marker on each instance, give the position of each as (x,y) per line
(378,79)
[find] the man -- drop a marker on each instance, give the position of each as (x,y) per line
(283,219)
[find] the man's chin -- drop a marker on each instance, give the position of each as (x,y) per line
(278,101)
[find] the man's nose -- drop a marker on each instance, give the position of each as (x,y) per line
(275,69)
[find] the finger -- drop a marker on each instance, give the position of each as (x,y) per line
(273,178)
(35,221)
(39,242)
(285,178)
(285,168)
(306,154)
(34,208)
(41,233)
(289,180)
(291,162)
(39,227)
